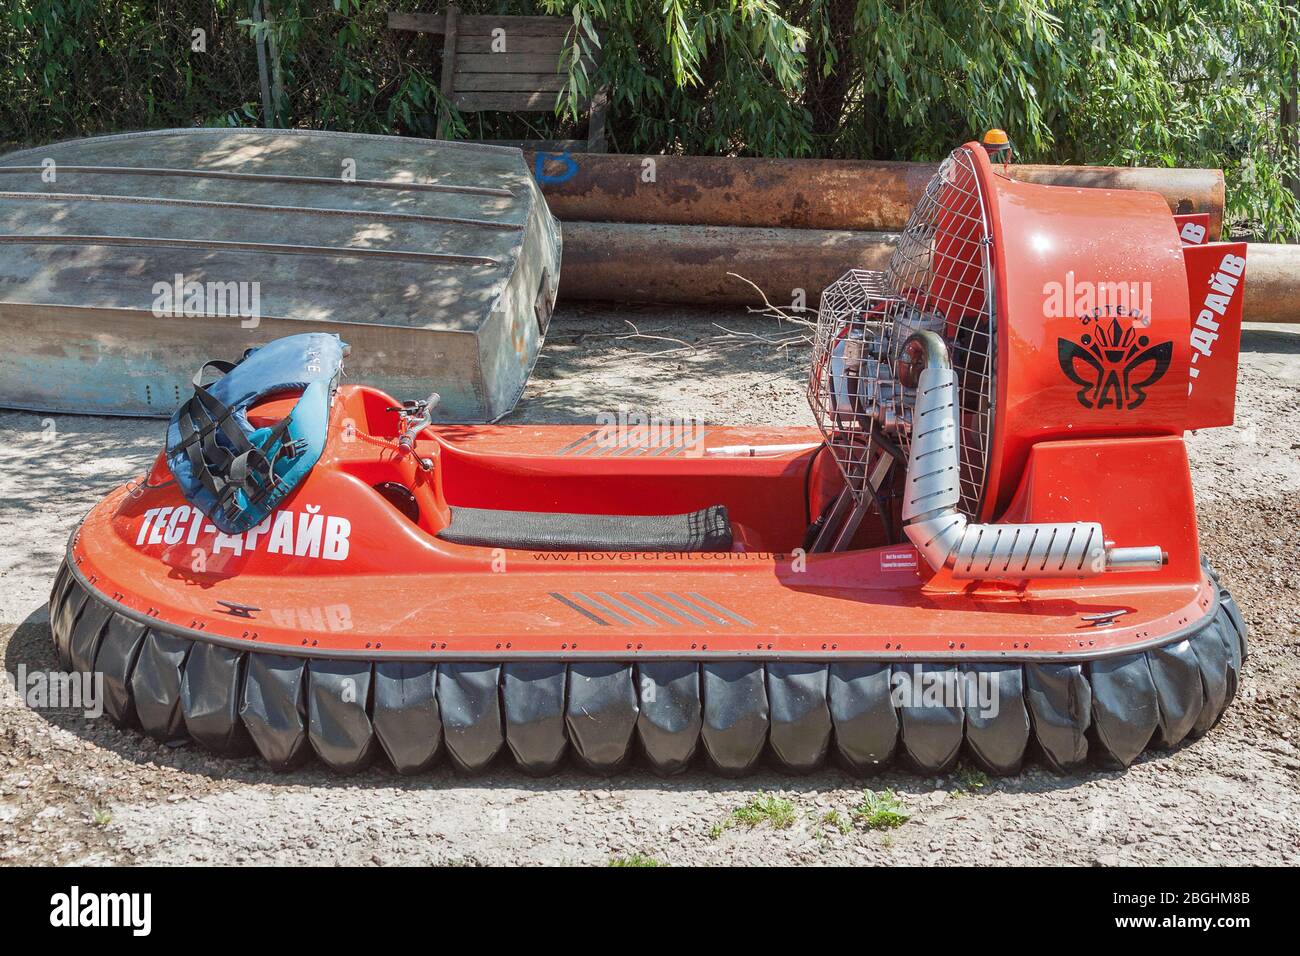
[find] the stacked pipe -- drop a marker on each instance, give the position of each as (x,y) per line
(672,228)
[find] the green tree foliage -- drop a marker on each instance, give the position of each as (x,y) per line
(80,67)
(1152,82)
(1123,82)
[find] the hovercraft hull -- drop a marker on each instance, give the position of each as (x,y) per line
(391,642)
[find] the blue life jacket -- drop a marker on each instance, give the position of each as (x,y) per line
(234,473)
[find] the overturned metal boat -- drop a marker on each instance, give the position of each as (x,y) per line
(126,261)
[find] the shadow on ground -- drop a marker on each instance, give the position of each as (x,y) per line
(655,359)
(53,468)
(1271,341)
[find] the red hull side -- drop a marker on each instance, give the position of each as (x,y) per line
(346,572)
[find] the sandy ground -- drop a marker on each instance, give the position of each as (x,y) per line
(78,791)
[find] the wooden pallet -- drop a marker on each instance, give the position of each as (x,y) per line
(506,63)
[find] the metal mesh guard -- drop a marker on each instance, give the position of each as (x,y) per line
(937,279)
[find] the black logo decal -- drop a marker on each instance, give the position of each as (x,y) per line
(1114,365)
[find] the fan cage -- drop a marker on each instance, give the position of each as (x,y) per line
(939,279)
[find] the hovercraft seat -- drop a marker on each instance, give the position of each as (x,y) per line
(233,472)
(708,529)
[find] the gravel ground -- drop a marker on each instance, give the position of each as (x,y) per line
(74,791)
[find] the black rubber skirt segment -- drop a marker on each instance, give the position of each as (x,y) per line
(731,716)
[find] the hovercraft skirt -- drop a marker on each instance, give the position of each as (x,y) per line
(605,713)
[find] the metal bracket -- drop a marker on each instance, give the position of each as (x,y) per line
(1104,617)
(846,515)
(236,609)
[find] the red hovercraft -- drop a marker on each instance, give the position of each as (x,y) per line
(989,549)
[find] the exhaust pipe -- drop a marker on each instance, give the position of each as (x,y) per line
(931,493)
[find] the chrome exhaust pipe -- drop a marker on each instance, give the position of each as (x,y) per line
(931,493)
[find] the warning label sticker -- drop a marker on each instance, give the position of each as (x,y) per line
(904,560)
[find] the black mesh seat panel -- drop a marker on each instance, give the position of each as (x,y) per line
(706,530)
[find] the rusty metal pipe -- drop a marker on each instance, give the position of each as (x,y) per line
(654,262)
(1272,283)
(811,193)
(1186,190)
